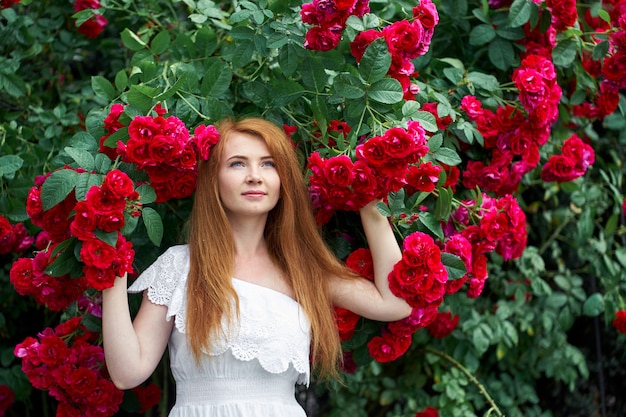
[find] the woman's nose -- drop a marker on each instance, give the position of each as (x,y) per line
(253,177)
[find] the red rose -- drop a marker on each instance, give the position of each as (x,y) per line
(620,321)
(148,397)
(360,43)
(84,222)
(6,399)
(184,185)
(428,412)
(34,208)
(52,351)
(111,222)
(427,13)
(423,177)
(338,171)
(388,347)
(404,38)
(373,151)
(164,149)
(321,39)
(346,322)
(443,325)
(21,276)
(99,278)
(97,253)
(5,228)
(188,159)
(67,410)
(360,261)
(559,168)
(363,183)
(204,137)
(118,184)
(103,202)
(93,27)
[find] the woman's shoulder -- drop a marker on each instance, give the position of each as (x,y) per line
(165,275)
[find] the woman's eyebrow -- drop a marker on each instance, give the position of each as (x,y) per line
(263,158)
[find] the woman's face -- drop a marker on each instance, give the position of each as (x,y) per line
(248,182)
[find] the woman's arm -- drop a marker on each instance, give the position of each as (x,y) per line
(132,350)
(374,300)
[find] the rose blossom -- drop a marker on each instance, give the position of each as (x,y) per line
(388,347)
(444,324)
(619,322)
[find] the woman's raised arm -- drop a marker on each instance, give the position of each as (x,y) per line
(374,300)
(132,349)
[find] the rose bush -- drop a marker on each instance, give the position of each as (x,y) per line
(493,132)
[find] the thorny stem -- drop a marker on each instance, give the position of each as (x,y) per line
(554,235)
(494,408)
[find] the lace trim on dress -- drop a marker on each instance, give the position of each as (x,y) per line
(266,331)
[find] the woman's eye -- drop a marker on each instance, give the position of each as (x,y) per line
(269,164)
(236,164)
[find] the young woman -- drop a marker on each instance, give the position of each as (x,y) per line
(252,292)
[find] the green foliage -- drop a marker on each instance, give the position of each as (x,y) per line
(206,60)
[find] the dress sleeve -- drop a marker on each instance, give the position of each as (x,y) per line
(165,281)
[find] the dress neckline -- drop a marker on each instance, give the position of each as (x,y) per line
(263,287)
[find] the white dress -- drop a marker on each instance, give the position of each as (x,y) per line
(253,371)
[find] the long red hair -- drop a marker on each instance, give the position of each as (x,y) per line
(293,239)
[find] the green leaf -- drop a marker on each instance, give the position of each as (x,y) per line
(443,206)
(448,156)
(501,53)
(147,194)
(137,97)
(86,180)
(482,34)
(109,238)
(243,53)
(83,158)
(13,85)
(375,62)
(348,86)
(65,263)
(57,187)
(120,134)
(454,265)
(620,254)
(103,88)
(154,225)
(484,81)
(386,91)
(519,13)
(160,43)
(285,92)
(314,74)
(121,80)
(130,224)
(427,120)
(288,59)
(102,163)
(564,53)
(216,80)
(172,90)
(432,224)
(206,41)
(594,305)
(91,323)
(9,164)
(131,40)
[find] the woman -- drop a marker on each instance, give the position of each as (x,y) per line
(251,293)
